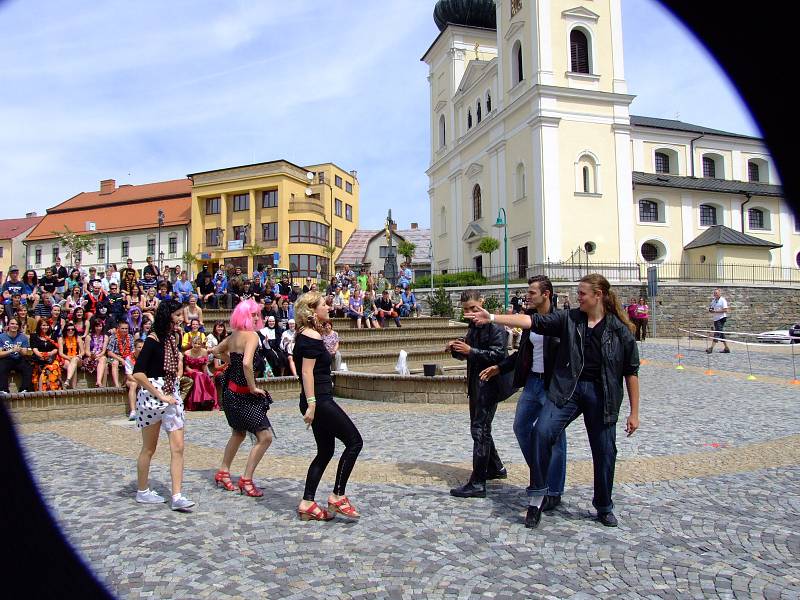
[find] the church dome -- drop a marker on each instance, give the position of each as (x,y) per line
(473,13)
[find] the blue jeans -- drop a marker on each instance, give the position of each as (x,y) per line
(587,399)
(529,407)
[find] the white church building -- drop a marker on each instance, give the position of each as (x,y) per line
(529,115)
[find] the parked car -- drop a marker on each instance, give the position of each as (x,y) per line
(790,335)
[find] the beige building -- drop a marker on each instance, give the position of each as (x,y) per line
(12,248)
(529,114)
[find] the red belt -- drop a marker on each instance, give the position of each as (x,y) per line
(238,389)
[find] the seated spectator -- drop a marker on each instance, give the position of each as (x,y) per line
(287,345)
(386,309)
(397,300)
(27,325)
(14,347)
(134,320)
(249,292)
(192,312)
(203,395)
(340,305)
(78,316)
(370,310)
(91,278)
(331,289)
(3,317)
(13,285)
(331,340)
(116,302)
(362,278)
(94,351)
(74,281)
(30,287)
(194,332)
(151,269)
(70,351)
(270,346)
(269,309)
(16,302)
(356,308)
(405,275)
(128,272)
(183,288)
(147,326)
(130,283)
(221,291)
(119,352)
(284,314)
(307,285)
(409,303)
(74,299)
(381,283)
(49,282)
(46,372)
(163,292)
(284,287)
(218,333)
(93,298)
(130,382)
(236,286)
(43,308)
(150,302)
(149,281)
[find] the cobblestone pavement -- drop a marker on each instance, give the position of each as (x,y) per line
(708,497)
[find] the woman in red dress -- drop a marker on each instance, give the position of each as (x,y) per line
(203,394)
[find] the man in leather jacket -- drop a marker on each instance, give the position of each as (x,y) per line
(597,351)
(483,346)
(533,369)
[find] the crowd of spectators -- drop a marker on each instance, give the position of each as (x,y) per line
(70,319)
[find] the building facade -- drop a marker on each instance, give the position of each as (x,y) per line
(529,115)
(123,222)
(274,213)
(12,247)
(369,248)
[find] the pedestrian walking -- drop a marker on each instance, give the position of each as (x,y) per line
(718,307)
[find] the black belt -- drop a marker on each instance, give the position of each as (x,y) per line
(536,375)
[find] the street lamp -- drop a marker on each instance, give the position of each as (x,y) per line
(502,223)
(430,258)
(160,225)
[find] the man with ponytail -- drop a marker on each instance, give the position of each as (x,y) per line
(597,351)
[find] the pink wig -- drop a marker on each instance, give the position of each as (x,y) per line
(242,317)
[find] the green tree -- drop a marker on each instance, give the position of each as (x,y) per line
(329,252)
(75,243)
(254,250)
(406,249)
(188,259)
(439,303)
(488,245)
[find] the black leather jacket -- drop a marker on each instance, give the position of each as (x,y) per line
(489,345)
(522,361)
(620,356)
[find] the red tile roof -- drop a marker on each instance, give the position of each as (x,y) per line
(356,247)
(10,228)
(127,208)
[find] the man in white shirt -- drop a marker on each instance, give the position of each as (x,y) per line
(719,310)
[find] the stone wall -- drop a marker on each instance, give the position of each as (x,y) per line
(442,389)
(753,308)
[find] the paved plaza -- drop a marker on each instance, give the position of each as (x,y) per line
(707,494)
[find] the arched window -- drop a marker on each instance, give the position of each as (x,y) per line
(579,51)
(653,251)
(520,180)
(488,102)
(662,162)
(709,167)
(757,218)
(469,118)
(442,132)
(648,211)
(443,220)
(587,174)
(587,186)
(516,66)
(708,215)
(752,171)
(478,111)
(476,202)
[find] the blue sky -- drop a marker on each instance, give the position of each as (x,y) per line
(147,91)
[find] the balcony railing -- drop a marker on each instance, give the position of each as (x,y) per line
(307,205)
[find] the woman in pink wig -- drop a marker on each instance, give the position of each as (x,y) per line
(244,403)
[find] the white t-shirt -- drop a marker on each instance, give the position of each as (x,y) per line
(720,304)
(537,365)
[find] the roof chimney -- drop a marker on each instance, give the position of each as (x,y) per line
(415,226)
(107,186)
(30,214)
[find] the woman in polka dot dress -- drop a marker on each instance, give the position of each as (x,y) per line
(159,405)
(244,403)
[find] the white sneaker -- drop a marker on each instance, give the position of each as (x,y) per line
(132,416)
(180,503)
(149,497)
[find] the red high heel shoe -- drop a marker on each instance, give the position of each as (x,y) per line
(314,513)
(246,486)
(343,507)
(223,478)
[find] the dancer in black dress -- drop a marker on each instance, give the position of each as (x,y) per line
(244,403)
(327,419)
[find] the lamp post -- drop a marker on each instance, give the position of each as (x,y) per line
(502,223)
(160,225)
(430,257)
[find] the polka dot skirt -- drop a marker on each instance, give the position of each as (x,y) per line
(150,409)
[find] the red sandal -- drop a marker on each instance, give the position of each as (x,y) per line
(343,507)
(223,478)
(246,486)
(315,513)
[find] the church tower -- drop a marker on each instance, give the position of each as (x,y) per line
(529,113)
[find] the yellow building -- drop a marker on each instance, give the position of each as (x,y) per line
(12,248)
(274,213)
(529,118)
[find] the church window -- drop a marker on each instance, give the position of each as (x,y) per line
(478,111)
(520,181)
(709,167)
(488,102)
(586,179)
(469,118)
(579,51)
(752,171)
(443,220)
(516,67)
(662,163)
(648,211)
(442,132)
(587,174)
(708,215)
(757,219)
(476,202)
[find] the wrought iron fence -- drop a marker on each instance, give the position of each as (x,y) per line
(617,271)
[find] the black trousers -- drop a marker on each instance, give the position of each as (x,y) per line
(331,423)
(485,460)
(20,365)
